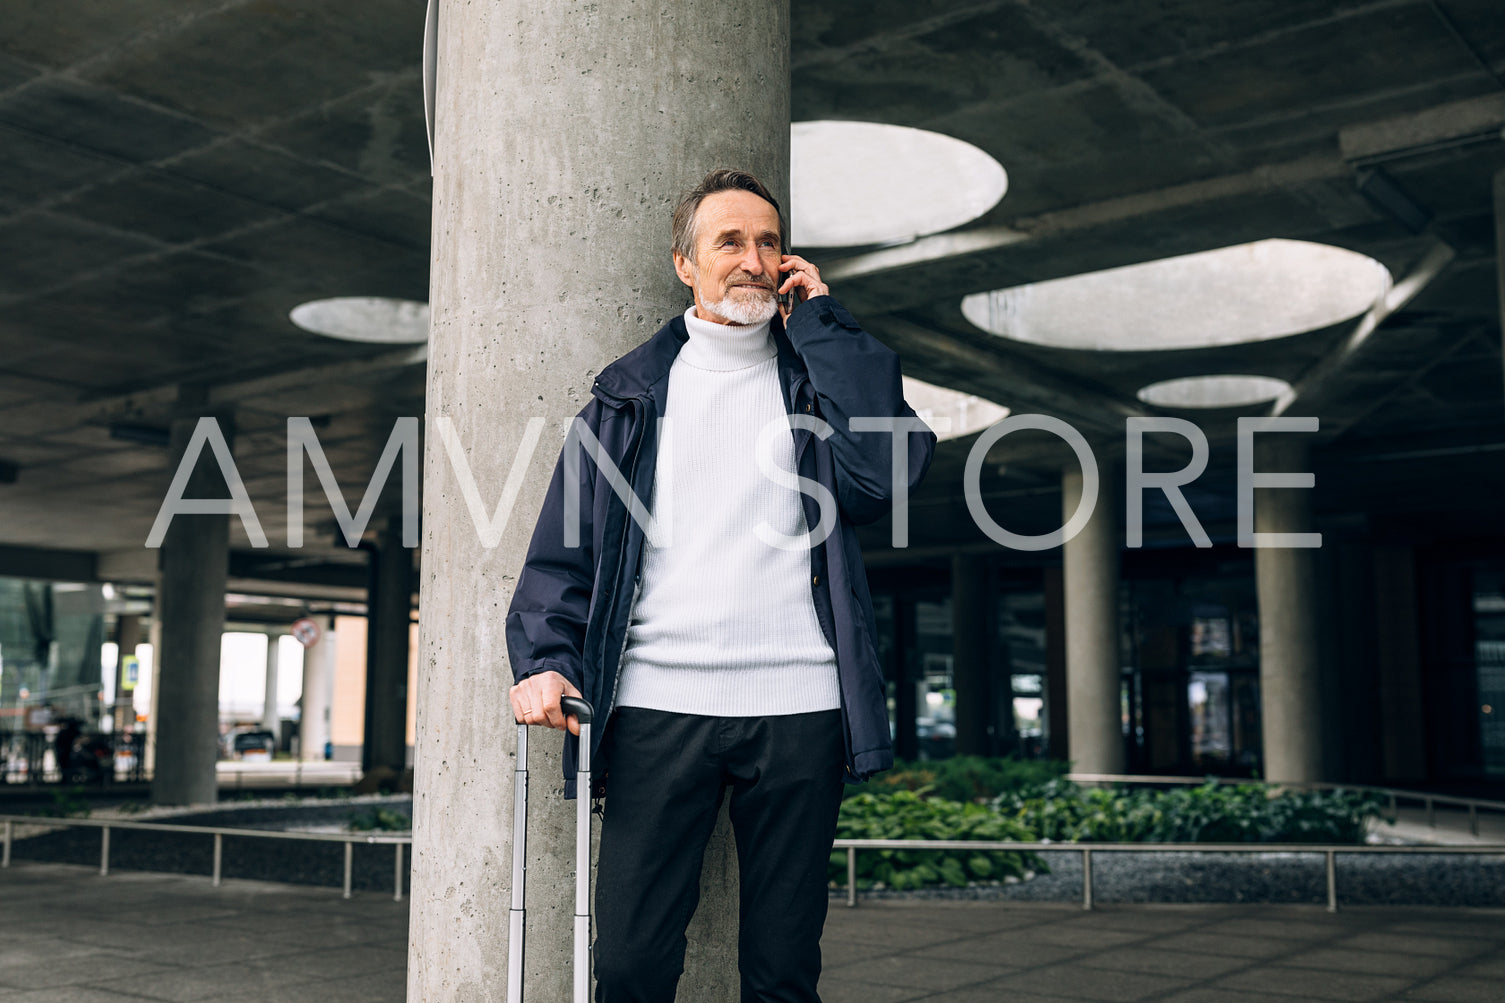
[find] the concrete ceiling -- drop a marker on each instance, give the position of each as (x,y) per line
(176,175)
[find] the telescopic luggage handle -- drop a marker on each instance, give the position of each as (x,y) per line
(581,710)
(576,707)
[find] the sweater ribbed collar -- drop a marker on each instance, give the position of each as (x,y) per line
(723,347)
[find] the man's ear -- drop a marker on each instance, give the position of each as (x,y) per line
(684,269)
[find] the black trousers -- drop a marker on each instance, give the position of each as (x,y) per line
(666,775)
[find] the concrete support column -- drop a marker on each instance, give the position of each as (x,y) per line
(564,135)
(270,719)
(1057,732)
(1090,582)
(194,563)
(389,608)
(971,653)
(318,692)
(1289,658)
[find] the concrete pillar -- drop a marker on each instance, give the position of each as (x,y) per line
(1057,733)
(1289,658)
(270,719)
(318,692)
(971,653)
(389,608)
(564,135)
(1090,582)
(193,563)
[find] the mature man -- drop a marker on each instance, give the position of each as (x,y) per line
(729,644)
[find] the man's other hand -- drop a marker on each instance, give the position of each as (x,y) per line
(535,700)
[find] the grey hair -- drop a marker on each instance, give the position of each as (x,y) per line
(723,179)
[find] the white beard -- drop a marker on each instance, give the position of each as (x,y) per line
(750,307)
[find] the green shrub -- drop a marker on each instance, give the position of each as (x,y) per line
(907,814)
(966,778)
(1210,813)
(1058,810)
(66,803)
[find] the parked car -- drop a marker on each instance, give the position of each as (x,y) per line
(937,739)
(253,746)
(90,761)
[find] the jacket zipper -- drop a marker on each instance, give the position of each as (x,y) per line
(846,736)
(621,560)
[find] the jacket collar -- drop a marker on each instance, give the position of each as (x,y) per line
(634,373)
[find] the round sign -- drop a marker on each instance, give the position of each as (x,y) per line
(306,631)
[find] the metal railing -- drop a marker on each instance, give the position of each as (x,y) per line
(851,846)
(218,832)
(1395,795)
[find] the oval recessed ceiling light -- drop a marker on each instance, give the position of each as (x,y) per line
(1213,391)
(967,413)
(857,183)
(365,318)
(1250,292)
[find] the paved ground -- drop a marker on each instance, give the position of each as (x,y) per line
(69,936)
(968,952)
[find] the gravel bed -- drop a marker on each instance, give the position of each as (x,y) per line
(284,815)
(1174,877)
(290,861)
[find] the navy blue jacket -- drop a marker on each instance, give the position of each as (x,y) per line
(570,611)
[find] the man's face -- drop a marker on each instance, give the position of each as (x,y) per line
(735,271)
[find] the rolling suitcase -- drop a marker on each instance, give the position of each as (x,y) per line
(582,710)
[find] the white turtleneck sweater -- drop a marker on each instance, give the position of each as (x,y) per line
(723,623)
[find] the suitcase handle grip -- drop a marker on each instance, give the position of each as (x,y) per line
(581,709)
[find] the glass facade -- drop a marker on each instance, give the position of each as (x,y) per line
(1022,662)
(1190,666)
(1489,666)
(935,688)
(1191,658)
(51,636)
(914,619)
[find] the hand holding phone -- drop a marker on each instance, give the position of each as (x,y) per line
(801,282)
